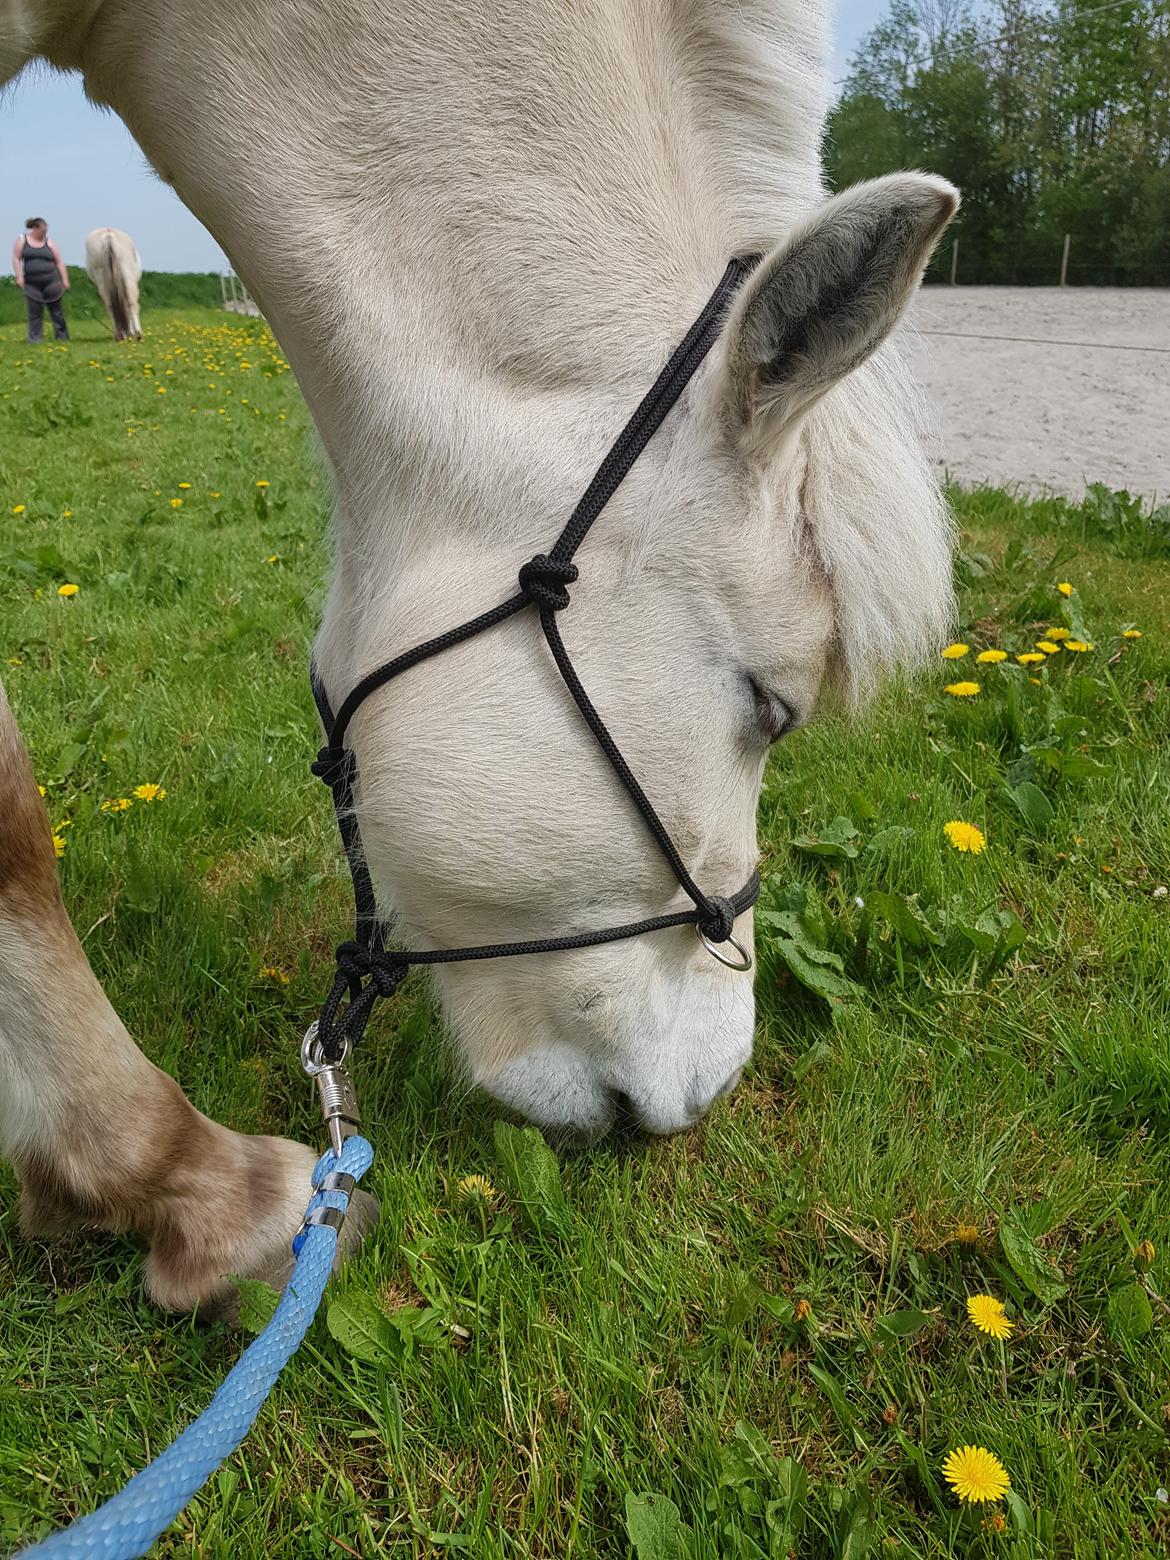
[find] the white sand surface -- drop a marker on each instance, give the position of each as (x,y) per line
(1078,405)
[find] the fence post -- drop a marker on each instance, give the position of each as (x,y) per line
(1064,261)
(954,259)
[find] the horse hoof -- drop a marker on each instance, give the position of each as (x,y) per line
(194,1266)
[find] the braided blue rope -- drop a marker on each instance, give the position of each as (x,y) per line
(128,1524)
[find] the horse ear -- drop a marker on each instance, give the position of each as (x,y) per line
(818,305)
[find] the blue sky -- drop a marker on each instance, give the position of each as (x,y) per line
(65,160)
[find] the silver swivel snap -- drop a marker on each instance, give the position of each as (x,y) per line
(334,1087)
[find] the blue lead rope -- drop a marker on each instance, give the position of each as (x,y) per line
(128,1524)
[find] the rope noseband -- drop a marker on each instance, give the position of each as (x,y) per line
(366,968)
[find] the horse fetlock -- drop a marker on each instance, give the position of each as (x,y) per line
(212,1204)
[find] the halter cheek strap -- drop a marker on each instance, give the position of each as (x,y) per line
(366,968)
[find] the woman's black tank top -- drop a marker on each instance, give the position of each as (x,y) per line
(39,266)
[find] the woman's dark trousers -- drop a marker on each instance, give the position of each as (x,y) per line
(38,300)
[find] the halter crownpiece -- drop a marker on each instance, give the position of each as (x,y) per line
(366,968)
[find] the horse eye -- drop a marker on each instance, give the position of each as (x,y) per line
(773,716)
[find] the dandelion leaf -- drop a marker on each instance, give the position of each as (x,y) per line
(363,1330)
(534,1177)
(1033,806)
(818,968)
(836,841)
(1130,1315)
(258,1301)
(907,921)
(1028,1262)
(654,1527)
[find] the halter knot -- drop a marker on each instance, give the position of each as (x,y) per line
(356,962)
(329,762)
(718,919)
(543,580)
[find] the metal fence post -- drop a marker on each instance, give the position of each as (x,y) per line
(1064,261)
(954,259)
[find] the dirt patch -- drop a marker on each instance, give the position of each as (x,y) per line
(1083,401)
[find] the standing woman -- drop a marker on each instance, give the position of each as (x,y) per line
(42,276)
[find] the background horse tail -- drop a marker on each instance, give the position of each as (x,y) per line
(114,268)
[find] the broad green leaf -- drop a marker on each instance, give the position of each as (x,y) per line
(886,841)
(818,970)
(258,1301)
(1079,766)
(654,1527)
(857,1527)
(902,1324)
(363,1330)
(1034,807)
(1130,1314)
(907,922)
(835,840)
(1028,1262)
(534,1177)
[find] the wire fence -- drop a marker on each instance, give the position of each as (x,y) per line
(1042,261)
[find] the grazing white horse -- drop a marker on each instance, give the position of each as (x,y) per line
(477,230)
(114,269)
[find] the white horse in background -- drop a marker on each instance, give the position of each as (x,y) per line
(477,230)
(114,269)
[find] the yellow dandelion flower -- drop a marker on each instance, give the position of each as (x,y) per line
(976,1475)
(68,590)
(1132,633)
(991,657)
(987,1313)
(272,558)
(262,484)
(184,485)
(966,1234)
(149,792)
(217,495)
(58,846)
(955,652)
(1049,647)
(176,503)
(962,690)
(1058,633)
(117,804)
(15,660)
(476,1188)
(1065,588)
(18,509)
(1030,658)
(270,972)
(1036,681)
(1143,1255)
(965,836)
(67,514)
(42,790)
(1078,646)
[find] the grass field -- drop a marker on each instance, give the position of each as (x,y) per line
(961,1084)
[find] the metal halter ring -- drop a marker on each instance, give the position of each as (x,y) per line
(744,962)
(313,1059)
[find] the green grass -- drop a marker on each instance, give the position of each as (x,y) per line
(650,1338)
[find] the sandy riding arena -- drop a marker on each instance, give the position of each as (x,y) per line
(1048,389)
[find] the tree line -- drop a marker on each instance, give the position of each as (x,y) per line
(1051,119)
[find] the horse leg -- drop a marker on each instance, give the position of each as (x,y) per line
(98,1135)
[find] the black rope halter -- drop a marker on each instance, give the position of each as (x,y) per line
(366,968)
